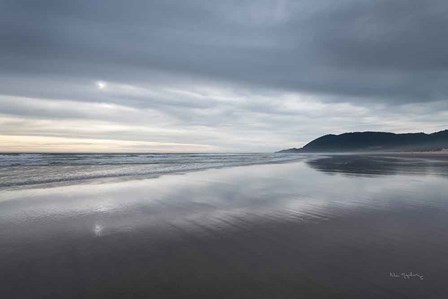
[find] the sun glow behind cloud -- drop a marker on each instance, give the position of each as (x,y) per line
(101,85)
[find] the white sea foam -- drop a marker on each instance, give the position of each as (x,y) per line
(31,169)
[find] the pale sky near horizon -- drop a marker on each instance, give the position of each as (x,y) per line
(217,76)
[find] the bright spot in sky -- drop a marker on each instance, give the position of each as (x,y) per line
(101,85)
(97,230)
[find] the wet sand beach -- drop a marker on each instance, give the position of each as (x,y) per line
(321,227)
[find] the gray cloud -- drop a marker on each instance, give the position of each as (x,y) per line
(269,69)
(382,49)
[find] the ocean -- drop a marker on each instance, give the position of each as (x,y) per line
(36,169)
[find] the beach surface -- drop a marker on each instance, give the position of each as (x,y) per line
(343,226)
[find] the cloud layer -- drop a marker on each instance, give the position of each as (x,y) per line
(217,76)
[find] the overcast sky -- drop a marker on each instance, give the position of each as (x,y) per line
(217,76)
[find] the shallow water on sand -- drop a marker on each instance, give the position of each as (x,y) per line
(323,227)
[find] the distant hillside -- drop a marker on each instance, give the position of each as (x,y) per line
(375,141)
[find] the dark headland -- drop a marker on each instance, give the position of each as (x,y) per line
(375,142)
